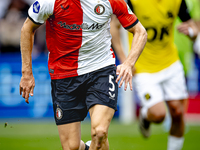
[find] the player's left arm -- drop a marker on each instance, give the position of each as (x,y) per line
(125,70)
(130,22)
(188,27)
(116,40)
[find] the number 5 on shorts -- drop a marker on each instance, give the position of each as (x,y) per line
(111,89)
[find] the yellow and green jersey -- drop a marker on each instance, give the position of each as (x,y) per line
(157,16)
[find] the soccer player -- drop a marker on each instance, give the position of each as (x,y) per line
(159,76)
(81,63)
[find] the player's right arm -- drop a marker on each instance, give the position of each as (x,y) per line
(27,82)
(38,13)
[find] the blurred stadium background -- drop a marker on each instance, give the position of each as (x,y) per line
(31,126)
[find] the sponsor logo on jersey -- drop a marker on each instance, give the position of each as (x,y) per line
(59,113)
(36,7)
(99,9)
(147,96)
(94,26)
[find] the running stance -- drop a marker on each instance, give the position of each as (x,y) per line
(81,63)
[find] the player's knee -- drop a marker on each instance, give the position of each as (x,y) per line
(71,145)
(177,113)
(159,117)
(74,147)
(176,110)
(100,134)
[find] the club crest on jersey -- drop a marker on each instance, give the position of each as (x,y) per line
(147,96)
(99,9)
(36,7)
(59,113)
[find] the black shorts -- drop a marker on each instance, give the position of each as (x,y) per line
(72,97)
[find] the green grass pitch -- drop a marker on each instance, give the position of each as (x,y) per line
(43,135)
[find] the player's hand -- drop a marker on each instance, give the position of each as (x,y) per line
(188,30)
(183,28)
(26,86)
(124,73)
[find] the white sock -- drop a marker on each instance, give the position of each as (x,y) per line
(144,112)
(175,143)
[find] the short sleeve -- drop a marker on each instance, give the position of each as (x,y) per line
(183,12)
(40,10)
(124,14)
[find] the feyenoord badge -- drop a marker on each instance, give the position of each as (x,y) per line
(59,113)
(99,9)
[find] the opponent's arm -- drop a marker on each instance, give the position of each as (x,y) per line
(116,40)
(188,27)
(124,70)
(27,82)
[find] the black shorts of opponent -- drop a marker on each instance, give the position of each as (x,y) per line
(73,97)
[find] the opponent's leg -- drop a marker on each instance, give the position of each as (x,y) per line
(70,136)
(101,117)
(150,91)
(155,114)
(175,140)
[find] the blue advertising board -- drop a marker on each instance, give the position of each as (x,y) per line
(11,102)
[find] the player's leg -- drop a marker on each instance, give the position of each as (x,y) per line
(176,96)
(153,114)
(175,140)
(176,109)
(101,117)
(70,136)
(102,103)
(151,95)
(69,110)
(157,112)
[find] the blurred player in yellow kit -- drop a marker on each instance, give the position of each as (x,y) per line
(159,76)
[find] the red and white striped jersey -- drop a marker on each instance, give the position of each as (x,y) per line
(78,33)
